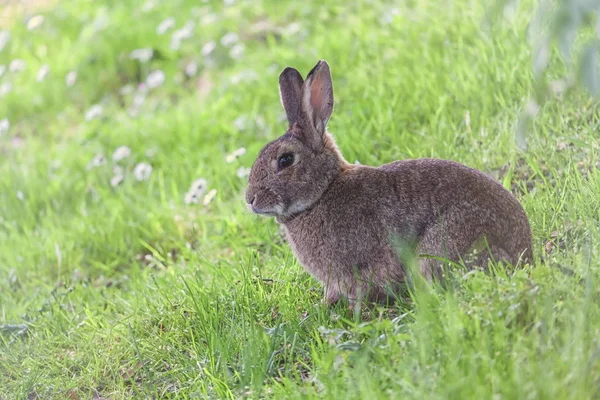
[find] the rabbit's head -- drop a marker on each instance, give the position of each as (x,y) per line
(292,172)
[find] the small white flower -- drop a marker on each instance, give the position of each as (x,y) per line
(4,36)
(235,154)
(293,29)
(20,195)
(208,48)
(142,55)
(209,19)
(116,180)
(71,78)
(155,79)
(229,39)
(209,197)
(5,88)
(185,32)
(165,25)
(151,152)
(148,6)
(94,112)
(191,198)
(97,161)
(196,190)
(121,153)
(191,68)
(241,122)
(138,100)
(181,34)
(198,184)
(17,65)
(245,76)
(237,51)
(260,122)
(42,72)
(242,172)
(4,126)
(34,22)
(142,171)
(127,89)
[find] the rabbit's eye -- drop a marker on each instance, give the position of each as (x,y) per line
(285,160)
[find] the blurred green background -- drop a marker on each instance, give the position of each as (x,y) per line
(129,266)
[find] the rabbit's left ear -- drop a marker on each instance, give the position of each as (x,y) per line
(290,93)
(317,96)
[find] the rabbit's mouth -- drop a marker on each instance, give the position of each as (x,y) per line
(265,213)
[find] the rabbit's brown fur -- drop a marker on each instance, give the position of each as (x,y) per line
(344,221)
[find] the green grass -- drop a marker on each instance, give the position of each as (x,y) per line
(128,291)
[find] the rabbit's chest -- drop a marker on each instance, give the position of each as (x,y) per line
(324,246)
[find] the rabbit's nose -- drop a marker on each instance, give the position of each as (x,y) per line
(250,202)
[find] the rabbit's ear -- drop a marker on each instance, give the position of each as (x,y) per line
(290,93)
(317,96)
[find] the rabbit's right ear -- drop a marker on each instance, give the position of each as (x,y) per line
(290,93)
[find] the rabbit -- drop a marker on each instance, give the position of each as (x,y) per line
(342,220)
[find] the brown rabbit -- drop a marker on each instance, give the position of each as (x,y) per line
(341,219)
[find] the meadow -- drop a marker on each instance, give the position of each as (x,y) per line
(131,268)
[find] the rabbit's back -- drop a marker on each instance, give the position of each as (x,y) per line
(442,207)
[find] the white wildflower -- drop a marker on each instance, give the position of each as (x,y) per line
(209,19)
(208,48)
(5,88)
(165,25)
(148,6)
(138,100)
(116,180)
(229,39)
(71,78)
(260,122)
(196,190)
(142,171)
(127,89)
(241,122)
(181,34)
(235,154)
(209,197)
(20,195)
(121,153)
(292,29)
(94,112)
(155,79)
(242,172)
(34,22)
(191,68)
(142,55)
(185,32)
(4,126)
(4,36)
(97,161)
(16,65)
(237,51)
(42,72)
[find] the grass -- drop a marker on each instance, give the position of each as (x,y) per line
(127,291)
